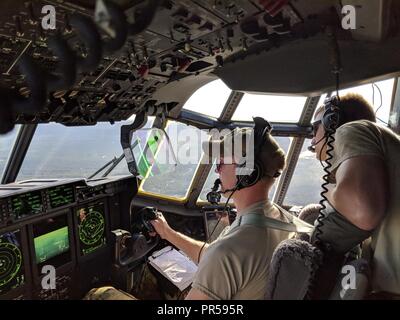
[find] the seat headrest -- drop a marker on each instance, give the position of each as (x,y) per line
(292,270)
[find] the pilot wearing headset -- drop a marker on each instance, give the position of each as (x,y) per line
(236,265)
(364,195)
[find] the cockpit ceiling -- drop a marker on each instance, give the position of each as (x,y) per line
(303,67)
(277,46)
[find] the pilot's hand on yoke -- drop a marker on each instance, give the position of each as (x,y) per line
(161,226)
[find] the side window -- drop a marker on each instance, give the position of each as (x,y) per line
(379,95)
(174,179)
(305,186)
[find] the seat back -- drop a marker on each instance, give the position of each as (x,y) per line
(292,270)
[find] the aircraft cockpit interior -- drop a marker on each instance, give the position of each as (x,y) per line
(106,107)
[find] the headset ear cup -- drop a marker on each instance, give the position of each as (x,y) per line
(330,120)
(261,129)
(253,178)
(326,120)
(331,117)
(256,174)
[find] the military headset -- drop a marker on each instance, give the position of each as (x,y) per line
(332,114)
(331,118)
(245,180)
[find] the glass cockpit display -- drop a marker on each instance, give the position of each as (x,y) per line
(51,242)
(91,227)
(12,273)
(61,195)
(27,204)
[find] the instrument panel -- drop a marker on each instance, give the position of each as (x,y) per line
(51,241)
(60,195)
(185,39)
(26,204)
(61,228)
(91,225)
(12,273)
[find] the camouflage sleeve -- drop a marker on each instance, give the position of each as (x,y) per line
(108,293)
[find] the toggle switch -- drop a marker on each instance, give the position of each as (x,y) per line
(31,13)
(19,32)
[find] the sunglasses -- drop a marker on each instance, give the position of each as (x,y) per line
(315,126)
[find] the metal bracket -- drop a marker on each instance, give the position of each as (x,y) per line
(231,106)
(394,118)
(126,136)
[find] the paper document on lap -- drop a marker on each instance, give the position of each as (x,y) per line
(175,266)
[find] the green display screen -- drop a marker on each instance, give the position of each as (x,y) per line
(91,227)
(51,244)
(12,274)
(27,204)
(61,195)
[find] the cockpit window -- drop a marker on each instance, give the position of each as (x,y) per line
(305,185)
(57,151)
(173,173)
(379,95)
(271,107)
(284,142)
(6,144)
(210,99)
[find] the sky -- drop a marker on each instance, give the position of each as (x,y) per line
(211,98)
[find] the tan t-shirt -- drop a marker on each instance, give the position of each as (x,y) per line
(236,265)
(360,138)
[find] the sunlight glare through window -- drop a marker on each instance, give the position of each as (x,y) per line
(210,99)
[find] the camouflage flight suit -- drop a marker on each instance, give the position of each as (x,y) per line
(108,293)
